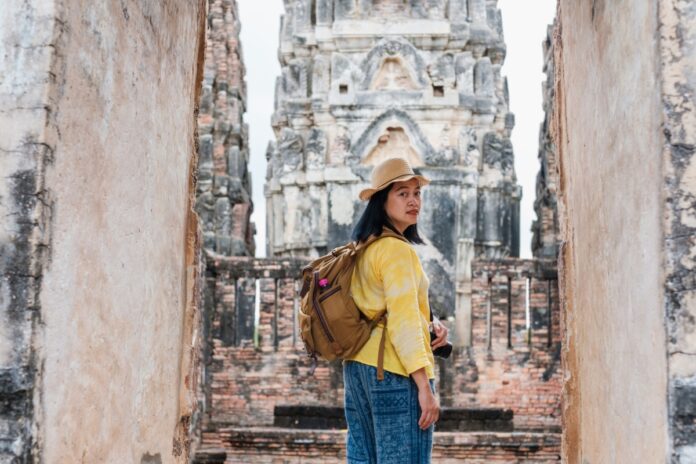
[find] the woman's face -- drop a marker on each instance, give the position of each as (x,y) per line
(403,204)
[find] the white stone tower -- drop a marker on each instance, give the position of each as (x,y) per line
(363,80)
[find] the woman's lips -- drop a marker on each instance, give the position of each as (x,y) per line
(414,213)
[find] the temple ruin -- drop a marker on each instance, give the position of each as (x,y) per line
(362,81)
(136,325)
(357,87)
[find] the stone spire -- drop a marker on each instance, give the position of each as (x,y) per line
(224,183)
(366,80)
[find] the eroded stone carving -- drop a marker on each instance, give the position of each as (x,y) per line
(393,75)
(498,155)
(302,15)
(468,147)
(223,187)
(442,71)
(340,147)
(446,153)
(393,143)
(290,149)
(321,77)
(316,149)
(402,53)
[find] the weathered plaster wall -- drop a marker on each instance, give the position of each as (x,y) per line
(99,143)
(678,73)
(609,135)
(26,32)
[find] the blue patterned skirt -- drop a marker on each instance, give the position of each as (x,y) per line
(383,418)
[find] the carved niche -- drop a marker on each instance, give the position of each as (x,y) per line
(390,131)
(393,75)
(391,58)
(393,142)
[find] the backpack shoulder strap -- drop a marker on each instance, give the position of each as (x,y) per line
(386,232)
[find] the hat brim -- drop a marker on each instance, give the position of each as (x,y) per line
(365,194)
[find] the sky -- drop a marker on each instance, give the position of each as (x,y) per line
(524,24)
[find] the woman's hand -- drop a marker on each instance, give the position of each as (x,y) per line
(440,334)
(430,408)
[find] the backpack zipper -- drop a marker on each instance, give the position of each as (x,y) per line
(317,309)
(329,293)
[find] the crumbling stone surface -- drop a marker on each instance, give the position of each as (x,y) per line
(28,32)
(545,229)
(223,194)
(677,38)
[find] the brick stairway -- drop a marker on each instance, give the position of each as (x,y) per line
(237,445)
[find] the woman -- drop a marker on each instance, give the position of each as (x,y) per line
(391,420)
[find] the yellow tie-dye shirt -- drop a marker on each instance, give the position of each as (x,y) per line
(388,274)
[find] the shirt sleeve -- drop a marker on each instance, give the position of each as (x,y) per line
(396,269)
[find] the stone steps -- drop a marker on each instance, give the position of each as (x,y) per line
(288,445)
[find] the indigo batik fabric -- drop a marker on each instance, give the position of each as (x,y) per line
(383,418)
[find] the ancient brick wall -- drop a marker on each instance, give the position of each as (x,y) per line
(513,362)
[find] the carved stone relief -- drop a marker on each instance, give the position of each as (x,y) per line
(468,148)
(498,155)
(321,76)
(393,143)
(316,149)
(442,71)
(290,148)
(446,154)
(302,16)
(393,75)
(484,83)
(340,147)
(464,72)
(399,49)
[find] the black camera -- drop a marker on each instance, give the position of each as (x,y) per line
(442,351)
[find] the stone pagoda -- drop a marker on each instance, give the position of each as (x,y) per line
(365,80)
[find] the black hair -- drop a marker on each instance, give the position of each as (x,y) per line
(375,218)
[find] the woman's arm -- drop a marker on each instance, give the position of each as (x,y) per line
(430,409)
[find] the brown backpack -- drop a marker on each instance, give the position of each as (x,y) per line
(331,325)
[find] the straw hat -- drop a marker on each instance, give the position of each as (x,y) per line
(388,171)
